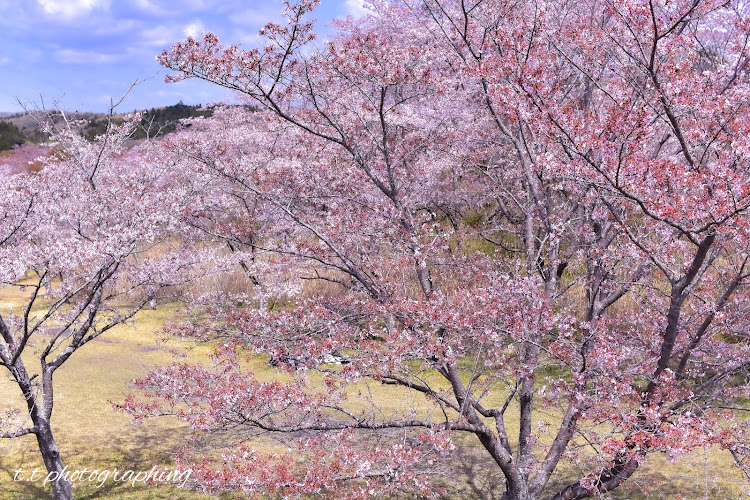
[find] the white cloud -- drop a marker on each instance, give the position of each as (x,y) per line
(116,27)
(166,8)
(14,16)
(194,29)
(256,17)
(145,5)
(85,57)
(69,9)
(32,55)
(151,8)
(246,39)
(160,36)
(356,8)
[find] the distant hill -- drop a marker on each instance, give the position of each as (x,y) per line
(28,126)
(10,136)
(23,127)
(155,122)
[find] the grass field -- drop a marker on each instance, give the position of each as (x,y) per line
(91,435)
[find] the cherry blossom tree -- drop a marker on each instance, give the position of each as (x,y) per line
(527,220)
(82,241)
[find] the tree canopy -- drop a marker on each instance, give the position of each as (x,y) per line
(530,217)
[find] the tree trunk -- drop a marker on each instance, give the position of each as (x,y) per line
(516,493)
(40,411)
(61,487)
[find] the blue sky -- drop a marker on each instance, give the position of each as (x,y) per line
(83,53)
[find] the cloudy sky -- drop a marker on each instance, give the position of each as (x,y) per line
(83,53)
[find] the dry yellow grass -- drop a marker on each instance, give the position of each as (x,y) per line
(89,433)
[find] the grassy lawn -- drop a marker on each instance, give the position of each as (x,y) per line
(91,435)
